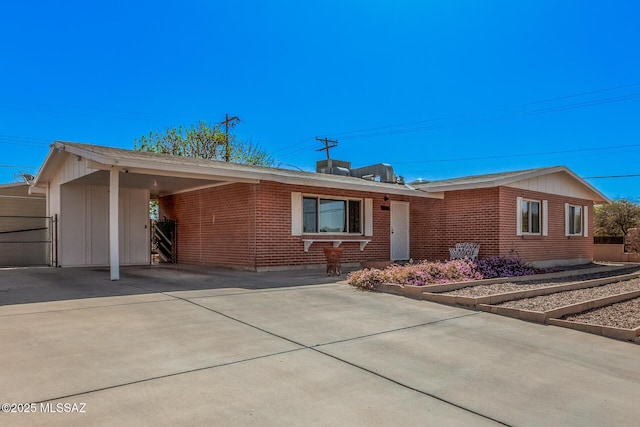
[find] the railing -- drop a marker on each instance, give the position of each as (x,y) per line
(164,240)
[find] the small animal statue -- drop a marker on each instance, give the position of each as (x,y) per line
(333,269)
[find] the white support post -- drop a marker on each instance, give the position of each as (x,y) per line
(114,244)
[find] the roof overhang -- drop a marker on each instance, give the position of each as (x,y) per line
(207,173)
(509,179)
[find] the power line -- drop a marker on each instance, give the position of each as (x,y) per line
(17,167)
(504,156)
(612,176)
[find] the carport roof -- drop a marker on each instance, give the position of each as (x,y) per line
(142,162)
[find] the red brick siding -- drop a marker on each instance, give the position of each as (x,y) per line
(276,246)
(253,226)
(471,216)
(215,225)
(427,223)
(555,246)
(488,216)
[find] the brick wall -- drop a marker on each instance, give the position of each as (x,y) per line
(555,246)
(276,245)
(488,216)
(472,216)
(249,226)
(215,225)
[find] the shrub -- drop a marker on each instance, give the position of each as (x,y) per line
(426,273)
(490,268)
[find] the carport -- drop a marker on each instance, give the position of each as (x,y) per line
(101,196)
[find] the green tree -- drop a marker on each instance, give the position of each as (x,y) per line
(202,141)
(616,218)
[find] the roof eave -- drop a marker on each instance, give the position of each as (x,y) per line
(253,175)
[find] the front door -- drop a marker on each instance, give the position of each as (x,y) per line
(399,231)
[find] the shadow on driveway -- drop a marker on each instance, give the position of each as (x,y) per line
(41,284)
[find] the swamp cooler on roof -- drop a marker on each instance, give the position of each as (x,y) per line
(382,171)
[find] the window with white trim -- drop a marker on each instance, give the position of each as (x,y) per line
(530,216)
(576,220)
(331,215)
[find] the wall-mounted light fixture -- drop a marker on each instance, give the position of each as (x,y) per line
(386,197)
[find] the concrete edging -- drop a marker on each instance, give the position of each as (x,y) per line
(545,316)
(529,293)
(606,331)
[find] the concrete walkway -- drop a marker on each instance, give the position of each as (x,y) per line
(189,346)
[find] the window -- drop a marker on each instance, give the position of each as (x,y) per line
(530,217)
(575,220)
(323,215)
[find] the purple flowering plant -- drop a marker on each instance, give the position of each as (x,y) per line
(426,273)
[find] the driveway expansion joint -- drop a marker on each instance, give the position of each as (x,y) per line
(369,371)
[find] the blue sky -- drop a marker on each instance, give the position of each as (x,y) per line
(436,89)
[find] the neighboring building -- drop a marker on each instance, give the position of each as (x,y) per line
(25,238)
(261,218)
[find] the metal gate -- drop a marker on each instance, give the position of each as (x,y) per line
(163,240)
(28,241)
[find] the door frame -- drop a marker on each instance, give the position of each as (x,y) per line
(392,231)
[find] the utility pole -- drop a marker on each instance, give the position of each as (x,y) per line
(326,141)
(233,121)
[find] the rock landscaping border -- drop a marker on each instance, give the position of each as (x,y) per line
(543,316)
(622,334)
(475,302)
(551,317)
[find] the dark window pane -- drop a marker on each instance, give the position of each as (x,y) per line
(535,217)
(354,216)
(309,215)
(525,217)
(575,220)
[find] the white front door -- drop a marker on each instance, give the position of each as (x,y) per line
(399,231)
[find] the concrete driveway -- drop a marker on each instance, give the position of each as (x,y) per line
(188,346)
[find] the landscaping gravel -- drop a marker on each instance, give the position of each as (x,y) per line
(624,314)
(501,288)
(561,299)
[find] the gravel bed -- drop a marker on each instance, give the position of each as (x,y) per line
(501,288)
(560,299)
(624,314)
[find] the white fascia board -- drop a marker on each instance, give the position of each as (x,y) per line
(602,198)
(454,187)
(39,191)
(598,197)
(355,186)
(171,172)
(90,155)
(151,167)
(53,159)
